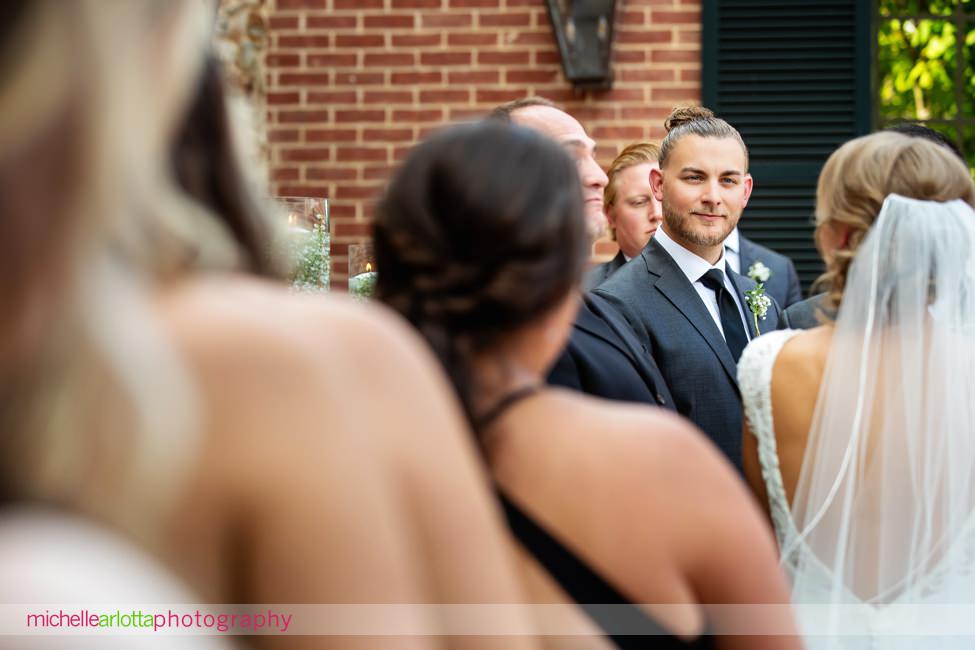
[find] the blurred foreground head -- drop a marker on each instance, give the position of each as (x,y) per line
(480,233)
(209,166)
(90,100)
(92,96)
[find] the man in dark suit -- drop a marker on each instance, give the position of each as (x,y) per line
(775,271)
(603,356)
(683,301)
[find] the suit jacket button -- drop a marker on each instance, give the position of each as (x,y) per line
(660,399)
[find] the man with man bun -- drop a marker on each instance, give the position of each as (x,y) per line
(680,296)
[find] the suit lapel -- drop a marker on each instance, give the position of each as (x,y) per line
(675,286)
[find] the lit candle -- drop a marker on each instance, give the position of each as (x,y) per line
(363,284)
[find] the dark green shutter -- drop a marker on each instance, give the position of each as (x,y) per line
(794,78)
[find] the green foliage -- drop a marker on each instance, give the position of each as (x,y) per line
(927,66)
(917,63)
(914,7)
(310,251)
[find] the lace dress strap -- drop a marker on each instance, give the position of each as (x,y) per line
(755,382)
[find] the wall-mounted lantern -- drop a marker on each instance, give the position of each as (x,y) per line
(584,31)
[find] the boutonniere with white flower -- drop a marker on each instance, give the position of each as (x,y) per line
(758,272)
(758,303)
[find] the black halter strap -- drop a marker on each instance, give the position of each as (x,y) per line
(607,607)
(623,622)
(503,404)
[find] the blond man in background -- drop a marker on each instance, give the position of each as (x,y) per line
(631,209)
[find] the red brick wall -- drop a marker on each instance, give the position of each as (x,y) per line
(353,83)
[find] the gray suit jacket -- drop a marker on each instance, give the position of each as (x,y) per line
(783,284)
(670,318)
(804,314)
(598,274)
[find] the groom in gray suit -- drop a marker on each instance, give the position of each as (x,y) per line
(686,305)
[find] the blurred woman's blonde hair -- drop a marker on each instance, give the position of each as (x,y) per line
(90,98)
(859,175)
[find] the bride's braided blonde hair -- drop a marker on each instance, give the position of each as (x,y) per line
(858,177)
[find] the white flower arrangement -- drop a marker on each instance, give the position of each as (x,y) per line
(758,303)
(759,272)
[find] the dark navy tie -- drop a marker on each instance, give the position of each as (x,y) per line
(734,331)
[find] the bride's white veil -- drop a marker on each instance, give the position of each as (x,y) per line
(885,504)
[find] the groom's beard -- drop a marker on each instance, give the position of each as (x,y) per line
(690,229)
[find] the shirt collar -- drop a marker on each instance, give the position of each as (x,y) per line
(692,265)
(733,241)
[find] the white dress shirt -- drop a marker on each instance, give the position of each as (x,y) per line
(732,250)
(694,268)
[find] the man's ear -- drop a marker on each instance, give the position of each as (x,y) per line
(748,189)
(657,183)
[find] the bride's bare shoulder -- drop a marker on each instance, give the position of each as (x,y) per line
(804,355)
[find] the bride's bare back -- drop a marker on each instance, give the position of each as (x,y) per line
(796,376)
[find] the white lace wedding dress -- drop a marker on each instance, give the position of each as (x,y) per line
(754,380)
(935,611)
(879,539)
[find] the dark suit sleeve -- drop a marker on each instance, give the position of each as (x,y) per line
(784,323)
(565,372)
(778,310)
(639,328)
(795,292)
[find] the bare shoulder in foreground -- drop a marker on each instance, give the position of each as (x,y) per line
(335,459)
(655,507)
